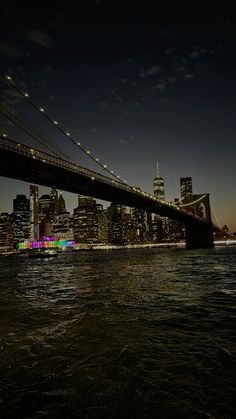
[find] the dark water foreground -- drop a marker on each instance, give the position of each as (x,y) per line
(119,334)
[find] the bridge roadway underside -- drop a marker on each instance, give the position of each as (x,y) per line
(12,165)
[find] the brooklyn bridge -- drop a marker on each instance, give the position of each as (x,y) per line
(52,168)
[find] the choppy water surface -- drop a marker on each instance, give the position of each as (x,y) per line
(119,334)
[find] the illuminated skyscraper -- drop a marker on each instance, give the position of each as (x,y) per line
(61,205)
(21,219)
(85,221)
(53,203)
(158,185)
(186,187)
(34,212)
(5,231)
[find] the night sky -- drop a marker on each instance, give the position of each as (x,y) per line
(134,86)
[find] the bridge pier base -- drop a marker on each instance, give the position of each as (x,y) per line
(199,236)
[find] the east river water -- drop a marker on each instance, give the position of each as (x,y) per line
(119,334)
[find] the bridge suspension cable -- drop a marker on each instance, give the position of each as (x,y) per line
(8,79)
(194,202)
(31,133)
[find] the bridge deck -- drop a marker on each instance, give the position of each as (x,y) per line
(19,161)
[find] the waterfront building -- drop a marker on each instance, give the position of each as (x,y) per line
(21,219)
(34,213)
(85,221)
(45,216)
(61,205)
(139,222)
(53,203)
(158,185)
(186,187)
(62,227)
(6,232)
(44,205)
(102,224)
(115,218)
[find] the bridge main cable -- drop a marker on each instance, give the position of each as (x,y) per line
(31,133)
(8,79)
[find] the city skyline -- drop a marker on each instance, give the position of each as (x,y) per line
(134,88)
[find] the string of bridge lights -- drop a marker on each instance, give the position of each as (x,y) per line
(14,120)
(56,124)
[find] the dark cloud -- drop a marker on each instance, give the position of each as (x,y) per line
(194,54)
(9,50)
(48,70)
(39,37)
(189,76)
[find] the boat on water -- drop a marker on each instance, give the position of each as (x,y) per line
(42,253)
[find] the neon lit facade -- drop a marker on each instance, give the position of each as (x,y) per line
(42,244)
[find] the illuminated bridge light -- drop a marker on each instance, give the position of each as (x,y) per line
(4,135)
(34,157)
(8,77)
(78,143)
(41,109)
(112,171)
(97,159)
(26,94)
(68,134)
(43,160)
(88,151)
(92,177)
(105,166)
(55,122)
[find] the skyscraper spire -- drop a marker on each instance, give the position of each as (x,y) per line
(158,184)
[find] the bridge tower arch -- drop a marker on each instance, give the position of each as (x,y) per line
(198,235)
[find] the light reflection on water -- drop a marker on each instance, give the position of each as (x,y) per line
(131,334)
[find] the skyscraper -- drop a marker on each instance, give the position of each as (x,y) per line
(34,212)
(186,187)
(86,221)
(5,231)
(158,185)
(53,203)
(61,205)
(21,219)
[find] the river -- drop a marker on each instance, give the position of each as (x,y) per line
(145,333)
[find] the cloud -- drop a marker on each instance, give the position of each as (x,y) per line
(104,105)
(160,86)
(153,70)
(184,60)
(144,74)
(189,76)
(9,50)
(39,37)
(194,54)
(48,70)
(172,79)
(182,69)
